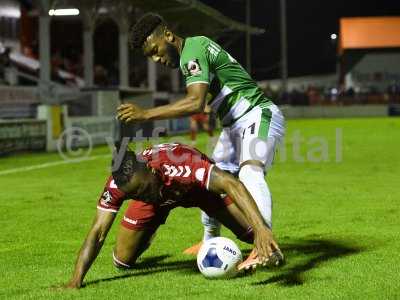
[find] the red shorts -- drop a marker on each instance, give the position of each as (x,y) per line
(140,215)
(200,117)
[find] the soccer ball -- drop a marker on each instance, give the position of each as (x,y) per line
(218,258)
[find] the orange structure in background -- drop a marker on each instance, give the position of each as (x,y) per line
(369,32)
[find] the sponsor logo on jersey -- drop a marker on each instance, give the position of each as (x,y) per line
(130,221)
(192,68)
(177,171)
(106,198)
(199,174)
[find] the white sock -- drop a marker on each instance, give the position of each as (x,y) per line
(212,228)
(253,179)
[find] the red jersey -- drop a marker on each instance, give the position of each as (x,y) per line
(181,169)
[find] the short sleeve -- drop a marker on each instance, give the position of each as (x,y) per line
(202,173)
(195,65)
(111,198)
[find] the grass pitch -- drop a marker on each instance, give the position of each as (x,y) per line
(336,190)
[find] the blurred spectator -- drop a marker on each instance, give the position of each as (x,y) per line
(313,96)
(4,61)
(350,92)
(268,92)
(28,51)
(57,63)
(394,88)
(334,93)
(2,48)
(113,74)
(100,75)
(7,72)
(393,93)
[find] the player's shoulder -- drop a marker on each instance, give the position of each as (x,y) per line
(200,39)
(196,43)
(112,197)
(112,187)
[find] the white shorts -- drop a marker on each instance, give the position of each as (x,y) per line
(252,137)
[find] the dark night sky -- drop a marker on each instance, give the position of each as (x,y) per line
(310,24)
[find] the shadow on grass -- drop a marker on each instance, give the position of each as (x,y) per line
(150,266)
(311,252)
(315,253)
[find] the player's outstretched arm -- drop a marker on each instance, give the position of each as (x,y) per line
(193,102)
(223,182)
(91,246)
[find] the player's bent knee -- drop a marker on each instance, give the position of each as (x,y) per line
(120,264)
(250,168)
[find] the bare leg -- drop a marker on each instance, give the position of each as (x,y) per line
(130,245)
(193,129)
(206,126)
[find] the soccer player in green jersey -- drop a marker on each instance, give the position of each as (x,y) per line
(252,124)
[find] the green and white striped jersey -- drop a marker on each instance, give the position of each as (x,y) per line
(233,91)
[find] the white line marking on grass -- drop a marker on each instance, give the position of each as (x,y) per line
(52,164)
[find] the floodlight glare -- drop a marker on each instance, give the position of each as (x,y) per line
(64,12)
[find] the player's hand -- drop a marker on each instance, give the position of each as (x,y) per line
(130,113)
(265,245)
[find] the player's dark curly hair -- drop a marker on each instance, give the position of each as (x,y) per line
(128,166)
(123,169)
(143,28)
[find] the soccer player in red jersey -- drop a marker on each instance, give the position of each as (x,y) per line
(164,177)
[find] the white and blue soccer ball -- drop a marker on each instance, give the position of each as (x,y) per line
(218,258)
